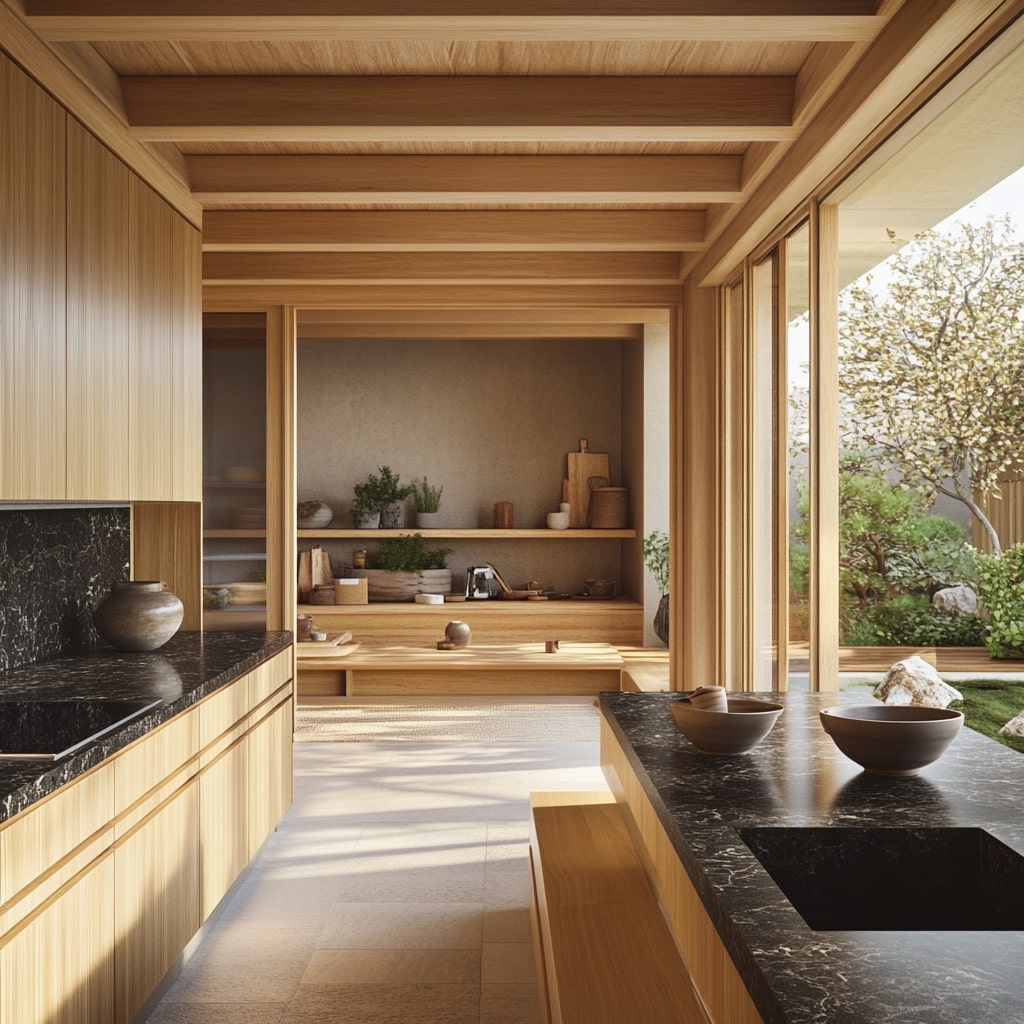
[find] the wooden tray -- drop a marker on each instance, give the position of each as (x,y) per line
(319,649)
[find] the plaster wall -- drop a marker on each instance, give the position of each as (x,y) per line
(488,421)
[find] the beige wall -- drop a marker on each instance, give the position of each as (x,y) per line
(489,421)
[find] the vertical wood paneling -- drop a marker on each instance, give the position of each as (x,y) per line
(1005,513)
(97,320)
(32,290)
(167,545)
(165,379)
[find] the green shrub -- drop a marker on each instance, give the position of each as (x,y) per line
(910,621)
(409,553)
(1001,592)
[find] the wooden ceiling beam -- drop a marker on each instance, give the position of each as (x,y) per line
(477,331)
(921,37)
(590,315)
(441,268)
(270,178)
(424,296)
(453,230)
(315,107)
(458,20)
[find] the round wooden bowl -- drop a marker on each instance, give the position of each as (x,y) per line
(891,739)
(735,731)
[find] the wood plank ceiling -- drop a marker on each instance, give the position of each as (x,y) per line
(426,147)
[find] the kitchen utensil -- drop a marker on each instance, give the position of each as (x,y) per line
(582,466)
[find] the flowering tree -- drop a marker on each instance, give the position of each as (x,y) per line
(932,364)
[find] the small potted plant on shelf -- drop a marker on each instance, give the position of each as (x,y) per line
(406,567)
(427,503)
(656,558)
(382,494)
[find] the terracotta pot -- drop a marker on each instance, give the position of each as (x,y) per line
(138,615)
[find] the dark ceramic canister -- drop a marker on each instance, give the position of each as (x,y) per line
(138,615)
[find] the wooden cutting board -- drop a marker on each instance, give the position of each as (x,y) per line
(582,466)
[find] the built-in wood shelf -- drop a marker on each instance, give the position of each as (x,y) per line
(465,534)
(235,534)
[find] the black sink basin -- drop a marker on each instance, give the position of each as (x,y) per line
(894,879)
(48,730)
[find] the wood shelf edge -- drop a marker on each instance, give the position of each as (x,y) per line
(541,533)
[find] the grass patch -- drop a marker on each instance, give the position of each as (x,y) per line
(989,704)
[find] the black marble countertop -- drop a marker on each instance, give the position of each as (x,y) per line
(797,778)
(183,671)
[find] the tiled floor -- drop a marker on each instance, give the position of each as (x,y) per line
(396,890)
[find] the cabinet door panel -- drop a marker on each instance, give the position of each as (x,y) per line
(166,352)
(59,968)
(156,902)
(32,290)
(223,789)
(97,320)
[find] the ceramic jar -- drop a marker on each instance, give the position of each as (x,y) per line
(138,615)
(457,633)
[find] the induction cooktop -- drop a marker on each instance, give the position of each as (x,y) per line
(47,730)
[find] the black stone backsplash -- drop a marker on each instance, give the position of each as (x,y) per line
(55,563)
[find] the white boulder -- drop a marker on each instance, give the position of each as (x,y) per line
(1014,727)
(914,681)
(958,600)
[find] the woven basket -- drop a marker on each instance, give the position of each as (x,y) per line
(609,508)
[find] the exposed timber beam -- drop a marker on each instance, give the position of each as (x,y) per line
(426,296)
(331,108)
(921,37)
(453,230)
(460,20)
(269,178)
(478,331)
(590,315)
(441,268)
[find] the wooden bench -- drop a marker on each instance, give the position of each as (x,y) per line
(604,952)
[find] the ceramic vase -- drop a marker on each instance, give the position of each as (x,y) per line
(661,620)
(138,615)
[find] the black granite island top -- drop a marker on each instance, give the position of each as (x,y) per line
(797,793)
(189,667)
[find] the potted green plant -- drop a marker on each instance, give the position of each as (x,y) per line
(406,567)
(656,558)
(426,501)
(383,493)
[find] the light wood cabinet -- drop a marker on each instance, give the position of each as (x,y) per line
(58,968)
(100,314)
(165,360)
(97,320)
(104,883)
(32,290)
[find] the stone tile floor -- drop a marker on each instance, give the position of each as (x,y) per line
(396,890)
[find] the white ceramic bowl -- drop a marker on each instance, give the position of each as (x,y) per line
(887,739)
(558,520)
(735,731)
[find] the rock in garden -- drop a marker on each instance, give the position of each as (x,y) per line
(958,600)
(914,681)
(1014,727)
